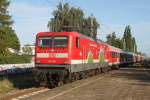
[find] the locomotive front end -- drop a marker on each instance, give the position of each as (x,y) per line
(52,57)
(51,50)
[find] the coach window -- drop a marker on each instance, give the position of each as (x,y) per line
(115,55)
(118,55)
(77,42)
(112,54)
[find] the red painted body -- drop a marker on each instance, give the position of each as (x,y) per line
(76,50)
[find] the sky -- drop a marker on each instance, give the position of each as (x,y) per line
(32,16)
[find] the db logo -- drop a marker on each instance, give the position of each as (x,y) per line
(52,55)
(52,50)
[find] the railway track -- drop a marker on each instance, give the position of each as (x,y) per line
(17,93)
(126,84)
(26,93)
(20,94)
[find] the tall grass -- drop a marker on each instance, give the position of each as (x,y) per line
(17,82)
(5,86)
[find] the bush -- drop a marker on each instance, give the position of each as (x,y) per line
(15,59)
(2,59)
(5,86)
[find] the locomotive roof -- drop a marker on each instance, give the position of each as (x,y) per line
(75,33)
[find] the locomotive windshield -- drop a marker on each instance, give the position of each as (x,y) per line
(58,41)
(45,42)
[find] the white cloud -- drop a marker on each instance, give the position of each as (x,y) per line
(29,19)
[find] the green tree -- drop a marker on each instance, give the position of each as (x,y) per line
(8,38)
(127,38)
(67,18)
(127,42)
(134,45)
(27,50)
(108,37)
(114,41)
(119,43)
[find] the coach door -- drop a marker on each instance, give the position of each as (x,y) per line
(82,53)
(84,57)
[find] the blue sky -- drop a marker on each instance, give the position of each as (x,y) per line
(32,16)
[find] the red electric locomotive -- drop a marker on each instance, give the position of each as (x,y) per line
(61,56)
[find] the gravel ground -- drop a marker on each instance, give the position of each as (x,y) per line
(122,84)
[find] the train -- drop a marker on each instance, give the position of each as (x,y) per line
(62,57)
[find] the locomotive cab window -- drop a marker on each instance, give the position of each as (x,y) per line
(77,42)
(60,41)
(45,42)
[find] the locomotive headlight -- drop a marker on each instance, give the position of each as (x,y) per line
(38,61)
(65,62)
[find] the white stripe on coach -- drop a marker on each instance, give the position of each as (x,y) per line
(83,61)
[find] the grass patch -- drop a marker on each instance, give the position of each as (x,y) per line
(15,59)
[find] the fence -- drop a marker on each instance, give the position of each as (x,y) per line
(6,69)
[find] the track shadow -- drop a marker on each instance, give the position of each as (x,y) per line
(141,84)
(134,73)
(21,80)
